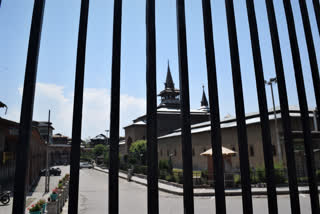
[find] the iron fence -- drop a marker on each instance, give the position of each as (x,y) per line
(153,198)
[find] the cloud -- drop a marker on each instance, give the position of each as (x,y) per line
(96,109)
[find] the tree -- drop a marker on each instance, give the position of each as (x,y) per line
(138,152)
(99,149)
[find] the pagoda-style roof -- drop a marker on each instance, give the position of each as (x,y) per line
(170,95)
(169,91)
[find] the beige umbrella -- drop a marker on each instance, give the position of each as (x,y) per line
(225,152)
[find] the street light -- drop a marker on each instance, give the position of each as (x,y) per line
(107,131)
(270,82)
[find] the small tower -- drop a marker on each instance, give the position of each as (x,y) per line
(204,101)
(170,97)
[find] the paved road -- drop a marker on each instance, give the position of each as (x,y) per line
(133,198)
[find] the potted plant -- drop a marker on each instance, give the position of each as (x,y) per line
(54,194)
(42,204)
(60,185)
(35,209)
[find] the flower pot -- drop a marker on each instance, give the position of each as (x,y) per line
(44,208)
(35,212)
(53,197)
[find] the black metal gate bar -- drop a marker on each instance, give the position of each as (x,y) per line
(115,110)
(316,7)
(263,107)
(77,110)
(25,127)
(152,147)
(240,112)
(185,110)
(311,50)
(286,124)
(214,109)
(312,179)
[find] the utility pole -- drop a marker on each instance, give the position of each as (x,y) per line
(270,82)
(47,189)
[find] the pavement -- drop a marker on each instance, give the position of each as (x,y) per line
(38,192)
(93,198)
(203,192)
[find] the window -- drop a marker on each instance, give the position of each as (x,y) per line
(175,152)
(168,152)
(251,151)
(204,149)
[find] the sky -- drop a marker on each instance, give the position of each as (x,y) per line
(57,58)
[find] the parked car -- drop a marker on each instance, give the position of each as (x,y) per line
(86,165)
(53,171)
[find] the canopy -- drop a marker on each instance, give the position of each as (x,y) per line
(225,152)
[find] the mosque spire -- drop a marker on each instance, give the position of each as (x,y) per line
(204,101)
(169,82)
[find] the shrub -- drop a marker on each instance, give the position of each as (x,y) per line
(170,178)
(204,174)
(260,174)
(180,178)
(237,179)
(164,165)
(140,169)
(163,174)
(279,173)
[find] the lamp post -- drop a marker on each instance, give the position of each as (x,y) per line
(107,131)
(270,82)
(47,186)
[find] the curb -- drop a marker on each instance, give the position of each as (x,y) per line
(208,194)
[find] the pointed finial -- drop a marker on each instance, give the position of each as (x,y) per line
(204,101)
(169,82)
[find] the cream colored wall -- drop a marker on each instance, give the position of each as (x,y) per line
(202,141)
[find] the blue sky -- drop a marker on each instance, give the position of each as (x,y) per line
(56,71)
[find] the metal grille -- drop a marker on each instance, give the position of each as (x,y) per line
(153,198)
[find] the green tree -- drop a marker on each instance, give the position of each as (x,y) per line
(99,149)
(138,152)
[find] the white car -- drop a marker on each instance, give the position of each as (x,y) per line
(86,165)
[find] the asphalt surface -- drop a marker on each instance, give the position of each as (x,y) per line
(133,198)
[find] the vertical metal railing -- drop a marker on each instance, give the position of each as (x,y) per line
(240,112)
(286,125)
(216,142)
(303,106)
(185,110)
(263,107)
(152,147)
(311,48)
(316,8)
(214,109)
(115,109)
(77,109)
(25,128)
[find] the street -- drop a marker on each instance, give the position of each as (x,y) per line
(133,198)
(93,198)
